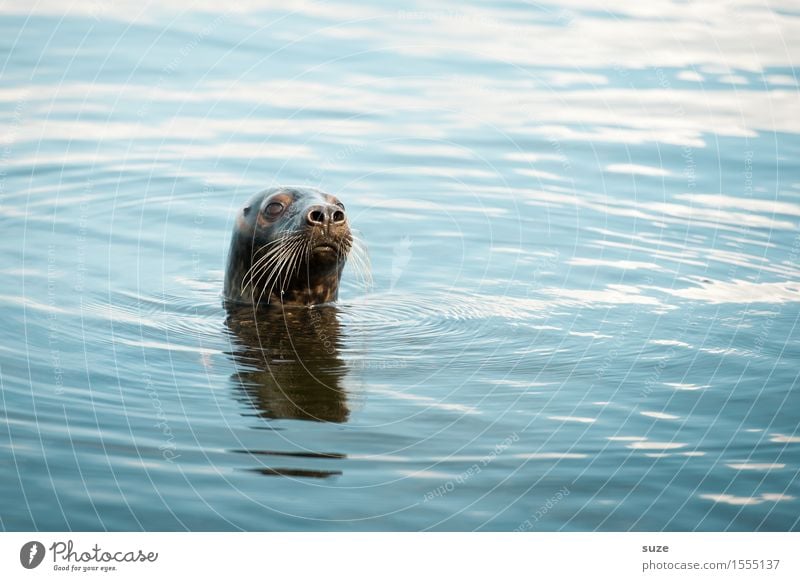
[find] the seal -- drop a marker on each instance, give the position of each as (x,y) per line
(289,247)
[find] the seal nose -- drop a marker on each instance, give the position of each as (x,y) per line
(324,215)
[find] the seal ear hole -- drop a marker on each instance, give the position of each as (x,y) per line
(246,210)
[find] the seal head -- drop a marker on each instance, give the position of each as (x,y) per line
(289,247)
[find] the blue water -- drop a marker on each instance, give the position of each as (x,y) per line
(584,231)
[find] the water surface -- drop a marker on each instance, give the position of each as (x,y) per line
(584,229)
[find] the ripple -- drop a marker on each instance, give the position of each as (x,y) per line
(576,419)
(612,294)
(739,291)
(551,456)
(660,415)
(747,500)
(769,207)
(33,304)
(669,343)
(298,454)
(591,334)
(784,439)
(620,264)
(435,316)
(642,170)
(426,401)
(179,315)
(649,445)
(160,345)
(759,467)
(685,386)
(294,472)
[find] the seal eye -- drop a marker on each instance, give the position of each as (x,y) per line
(273,209)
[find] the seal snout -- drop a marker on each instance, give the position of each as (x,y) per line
(328,228)
(323,215)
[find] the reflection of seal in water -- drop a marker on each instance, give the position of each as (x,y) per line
(289,247)
(288,368)
(288,363)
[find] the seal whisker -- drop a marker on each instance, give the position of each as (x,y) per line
(291,256)
(259,267)
(275,259)
(260,272)
(285,268)
(272,249)
(360,260)
(266,268)
(278,267)
(294,264)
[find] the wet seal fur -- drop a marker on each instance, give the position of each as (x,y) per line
(289,247)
